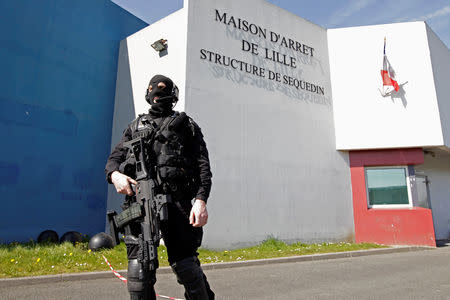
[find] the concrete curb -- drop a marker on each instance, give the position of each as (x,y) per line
(312,257)
(8,282)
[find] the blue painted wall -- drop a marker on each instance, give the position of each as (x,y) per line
(58,65)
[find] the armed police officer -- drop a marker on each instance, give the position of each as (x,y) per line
(177,157)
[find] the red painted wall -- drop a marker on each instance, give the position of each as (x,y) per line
(411,226)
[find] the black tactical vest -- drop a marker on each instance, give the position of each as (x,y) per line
(170,161)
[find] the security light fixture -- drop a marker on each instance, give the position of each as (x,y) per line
(160,45)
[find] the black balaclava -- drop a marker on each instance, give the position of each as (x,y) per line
(164,103)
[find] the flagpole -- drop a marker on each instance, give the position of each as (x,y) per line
(384,58)
(388,73)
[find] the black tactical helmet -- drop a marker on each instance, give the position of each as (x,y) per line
(48,236)
(100,241)
(71,236)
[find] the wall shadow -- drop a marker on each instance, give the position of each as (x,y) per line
(401,94)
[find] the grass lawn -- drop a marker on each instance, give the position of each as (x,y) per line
(32,259)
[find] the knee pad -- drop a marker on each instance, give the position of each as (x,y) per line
(187,270)
(190,275)
(139,278)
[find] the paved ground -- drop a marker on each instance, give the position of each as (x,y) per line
(410,275)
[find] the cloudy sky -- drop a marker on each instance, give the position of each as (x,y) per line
(330,13)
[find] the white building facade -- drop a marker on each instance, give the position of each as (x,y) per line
(292,114)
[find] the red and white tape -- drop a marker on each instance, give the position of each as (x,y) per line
(114,271)
(125,280)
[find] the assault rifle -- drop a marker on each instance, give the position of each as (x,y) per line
(148,205)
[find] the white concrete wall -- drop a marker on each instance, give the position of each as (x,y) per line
(138,62)
(437,168)
(440,60)
(272,148)
(363,118)
(146,62)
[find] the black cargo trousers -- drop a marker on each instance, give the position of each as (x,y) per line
(182,241)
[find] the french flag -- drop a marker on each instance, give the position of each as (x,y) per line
(388,74)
